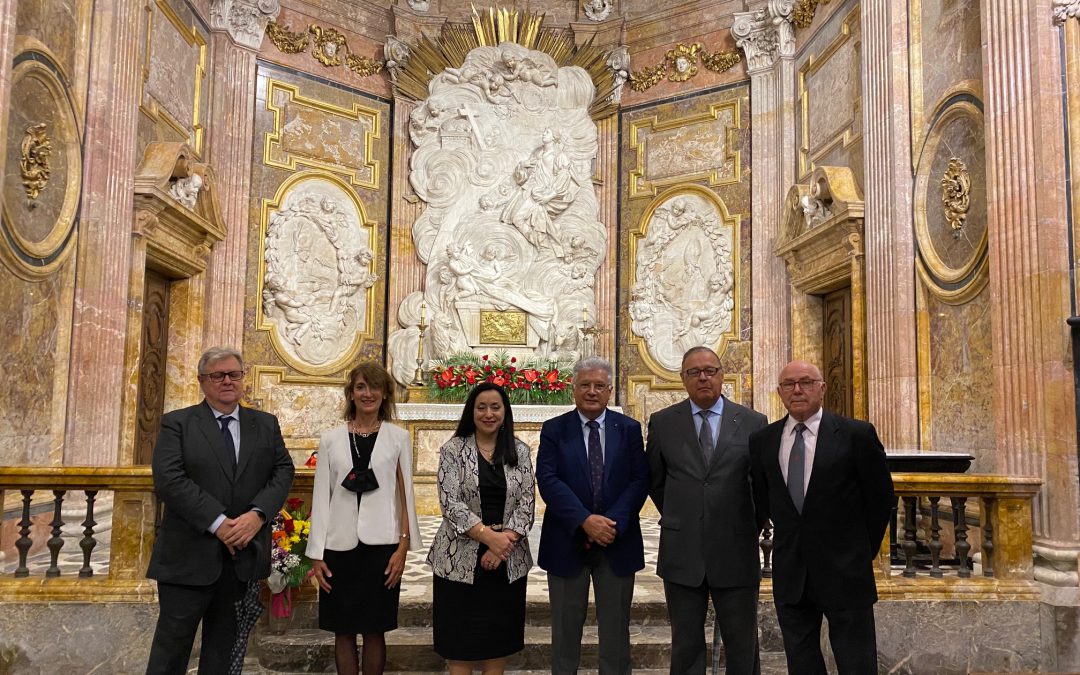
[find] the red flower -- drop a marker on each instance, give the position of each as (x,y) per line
(498,380)
(531,374)
(553,376)
(513,359)
(484,357)
(288,525)
(445,377)
(294,503)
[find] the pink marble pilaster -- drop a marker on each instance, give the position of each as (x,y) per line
(7,52)
(232,125)
(406,272)
(768,41)
(104,250)
(891,361)
(1035,414)
(607,156)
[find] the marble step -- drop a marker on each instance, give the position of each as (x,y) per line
(409,649)
(417,613)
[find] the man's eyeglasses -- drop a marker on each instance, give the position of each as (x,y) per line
(233,375)
(789,385)
(698,372)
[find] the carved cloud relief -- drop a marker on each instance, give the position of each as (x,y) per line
(503,161)
(318,269)
(684,279)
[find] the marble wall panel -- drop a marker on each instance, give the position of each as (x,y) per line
(642,387)
(829,93)
(321,112)
(946,53)
(960,394)
(175,60)
(61,26)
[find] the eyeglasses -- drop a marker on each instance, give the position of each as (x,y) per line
(789,385)
(589,386)
(234,375)
(698,372)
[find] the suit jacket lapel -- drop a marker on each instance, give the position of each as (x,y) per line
(689,435)
(210,428)
(612,441)
(772,463)
(248,437)
(729,422)
(823,453)
(576,441)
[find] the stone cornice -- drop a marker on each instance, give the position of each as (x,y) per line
(1065,10)
(244,20)
(765,35)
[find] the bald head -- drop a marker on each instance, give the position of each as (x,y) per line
(802,389)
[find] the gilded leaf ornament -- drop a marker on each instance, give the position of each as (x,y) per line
(956,195)
(34,152)
(287,41)
(803,14)
(681,63)
(331,47)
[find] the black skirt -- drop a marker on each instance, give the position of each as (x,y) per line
(359,601)
(482,620)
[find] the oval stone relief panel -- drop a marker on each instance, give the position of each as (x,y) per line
(318,275)
(44,168)
(950,205)
(684,275)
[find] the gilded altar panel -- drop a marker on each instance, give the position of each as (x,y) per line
(686,197)
(829,90)
(317,257)
(174,85)
(946,51)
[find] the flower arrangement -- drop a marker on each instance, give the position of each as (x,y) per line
(529,381)
(289,566)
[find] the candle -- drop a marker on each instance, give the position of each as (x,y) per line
(423,312)
(584,315)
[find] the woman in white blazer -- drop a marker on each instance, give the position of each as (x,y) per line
(363,521)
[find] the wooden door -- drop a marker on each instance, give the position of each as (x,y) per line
(836,348)
(155,340)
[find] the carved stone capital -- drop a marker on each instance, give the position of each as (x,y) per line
(244,20)
(396,54)
(765,35)
(1066,9)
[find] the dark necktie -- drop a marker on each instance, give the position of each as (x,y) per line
(796,468)
(704,437)
(596,465)
(227,438)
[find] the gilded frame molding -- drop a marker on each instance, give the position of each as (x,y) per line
(952,285)
(845,137)
(261,324)
(294,159)
(151,108)
(641,230)
(34,260)
(640,186)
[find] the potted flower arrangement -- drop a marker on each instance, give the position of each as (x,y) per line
(289,566)
(528,381)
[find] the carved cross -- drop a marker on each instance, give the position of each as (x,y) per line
(470,114)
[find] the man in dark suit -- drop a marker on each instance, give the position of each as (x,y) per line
(700,468)
(823,480)
(221,471)
(592,474)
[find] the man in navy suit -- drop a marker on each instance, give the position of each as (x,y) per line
(593,476)
(824,482)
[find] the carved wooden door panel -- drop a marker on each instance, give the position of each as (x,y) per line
(836,348)
(155,340)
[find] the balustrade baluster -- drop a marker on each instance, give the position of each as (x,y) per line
(88,542)
(24,542)
(959,505)
(56,542)
(935,539)
(909,536)
(988,537)
(766,551)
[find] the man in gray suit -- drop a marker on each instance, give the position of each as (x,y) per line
(222,472)
(700,466)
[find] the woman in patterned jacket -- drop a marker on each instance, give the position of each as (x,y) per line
(480,555)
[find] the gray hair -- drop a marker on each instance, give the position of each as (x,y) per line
(700,348)
(592,363)
(215,354)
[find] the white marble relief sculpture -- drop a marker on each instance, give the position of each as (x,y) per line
(186,190)
(684,287)
(598,10)
(618,62)
(503,162)
(318,270)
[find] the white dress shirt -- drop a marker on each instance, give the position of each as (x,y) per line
(234,431)
(585,433)
(810,436)
(714,419)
